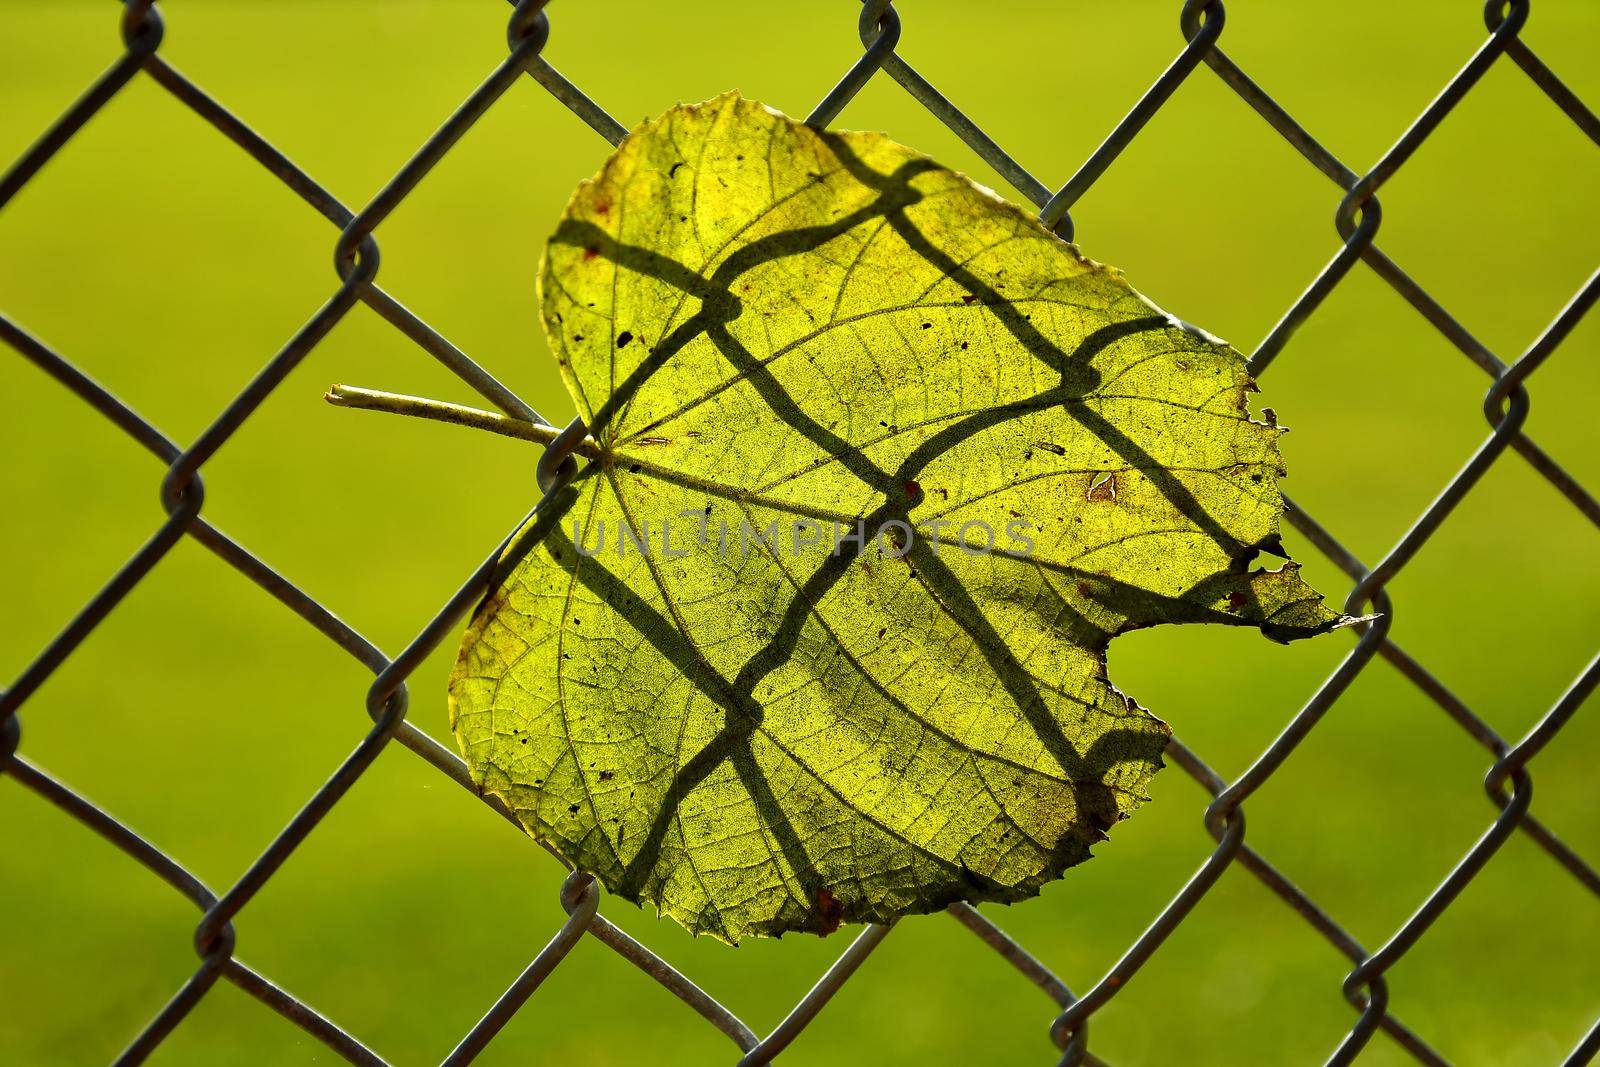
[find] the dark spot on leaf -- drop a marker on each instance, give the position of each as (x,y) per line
(967,298)
(927,326)
(602,208)
(623,338)
(589,253)
(674,168)
(606,776)
(830,912)
(1104,489)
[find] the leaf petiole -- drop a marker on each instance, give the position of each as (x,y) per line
(353,396)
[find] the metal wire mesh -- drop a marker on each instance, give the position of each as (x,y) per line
(1508,782)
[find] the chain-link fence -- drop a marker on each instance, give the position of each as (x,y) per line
(1508,781)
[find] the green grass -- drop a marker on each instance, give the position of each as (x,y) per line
(161,260)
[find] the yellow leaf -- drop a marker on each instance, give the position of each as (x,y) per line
(881,467)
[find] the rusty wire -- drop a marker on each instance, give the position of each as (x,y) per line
(1357,217)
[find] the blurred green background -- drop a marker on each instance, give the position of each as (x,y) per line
(155,255)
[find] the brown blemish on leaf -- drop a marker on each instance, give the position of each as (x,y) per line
(1104,488)
(830,912)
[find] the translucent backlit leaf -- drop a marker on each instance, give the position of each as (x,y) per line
(880,467)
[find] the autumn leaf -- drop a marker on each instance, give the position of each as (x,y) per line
(878,468)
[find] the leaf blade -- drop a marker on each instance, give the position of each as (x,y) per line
(771,327)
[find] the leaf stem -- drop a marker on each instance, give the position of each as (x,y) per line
(352,396)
